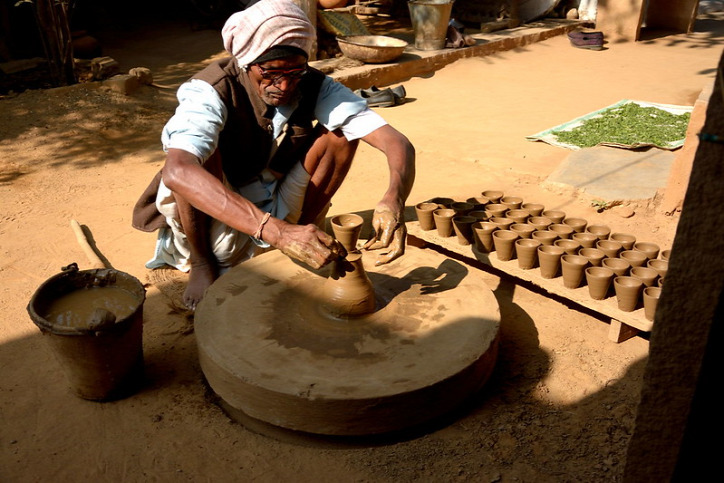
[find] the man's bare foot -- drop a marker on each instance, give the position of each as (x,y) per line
(201,276)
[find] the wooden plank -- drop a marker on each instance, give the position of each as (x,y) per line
(607,307)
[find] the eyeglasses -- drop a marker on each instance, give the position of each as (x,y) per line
(276,75)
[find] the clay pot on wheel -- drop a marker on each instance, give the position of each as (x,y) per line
(599,281)
(628,292)
(346,230)
(504,241)
(348,292)
(424,215)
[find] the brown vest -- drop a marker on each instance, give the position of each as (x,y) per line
(246,139)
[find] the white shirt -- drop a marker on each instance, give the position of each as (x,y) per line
(201,114)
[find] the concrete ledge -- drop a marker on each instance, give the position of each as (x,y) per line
(416,62)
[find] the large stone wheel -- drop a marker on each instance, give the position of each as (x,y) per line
(270,351)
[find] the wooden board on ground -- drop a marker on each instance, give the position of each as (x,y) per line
(624,325)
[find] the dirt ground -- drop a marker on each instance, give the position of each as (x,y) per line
(562,401)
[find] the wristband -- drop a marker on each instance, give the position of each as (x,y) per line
(257,233)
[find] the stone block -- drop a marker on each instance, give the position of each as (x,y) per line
(104,68)
(144,75)
(125,84)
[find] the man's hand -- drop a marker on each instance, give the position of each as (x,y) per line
(390,232)
(309,245)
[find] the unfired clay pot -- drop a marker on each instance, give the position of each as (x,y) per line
(348,292)
(578,224)
(650,249)
(651,300)
(518,215)
(628,292)
(546,237)
(523,230)
(512,202)
(540,222)
(443,202)
(661,266)
(601,231)
(493,195)
(647,275)
(502,222)
(479,215)
(443,221)
(346,230)
(570,246)
(587,240)
(556,216)
(424,215)
(462,207)
(549,259)
(463,226)
(572,268)
(495,209)
(626,239)
(478,201)
(483,236)
(610,247)
(527,252)
(599,281)
(594,255)
(619,266)
(665,254)
(504,241)
(634,258)
(562,230)
(534,209)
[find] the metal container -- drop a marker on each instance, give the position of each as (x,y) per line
(371,49)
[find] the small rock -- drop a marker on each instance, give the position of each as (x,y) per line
(104,68)
(143,74)
(123,83)
(624,211)
(572,14)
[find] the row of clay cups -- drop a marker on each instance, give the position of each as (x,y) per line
(576,264)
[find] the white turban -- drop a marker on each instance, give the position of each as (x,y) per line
(266,24)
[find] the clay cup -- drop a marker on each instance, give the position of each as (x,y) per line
(504,241)
(599,281)
(424,215)
(628,291)
(346,230)
(443,221)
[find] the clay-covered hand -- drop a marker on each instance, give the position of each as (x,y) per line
(390,232)
(309,245)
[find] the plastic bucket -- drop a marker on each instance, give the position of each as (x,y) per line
(101,355)
(430,20)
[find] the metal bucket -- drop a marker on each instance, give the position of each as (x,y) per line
(102,358)
(430,20)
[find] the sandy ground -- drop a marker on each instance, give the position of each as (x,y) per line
(562,401)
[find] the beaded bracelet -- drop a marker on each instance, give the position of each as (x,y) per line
(257,233)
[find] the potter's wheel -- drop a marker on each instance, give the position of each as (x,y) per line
(270,351)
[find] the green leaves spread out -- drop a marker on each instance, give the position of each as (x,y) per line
(629,124)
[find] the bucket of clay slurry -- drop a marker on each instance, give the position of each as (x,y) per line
(93,321)
(430,20)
